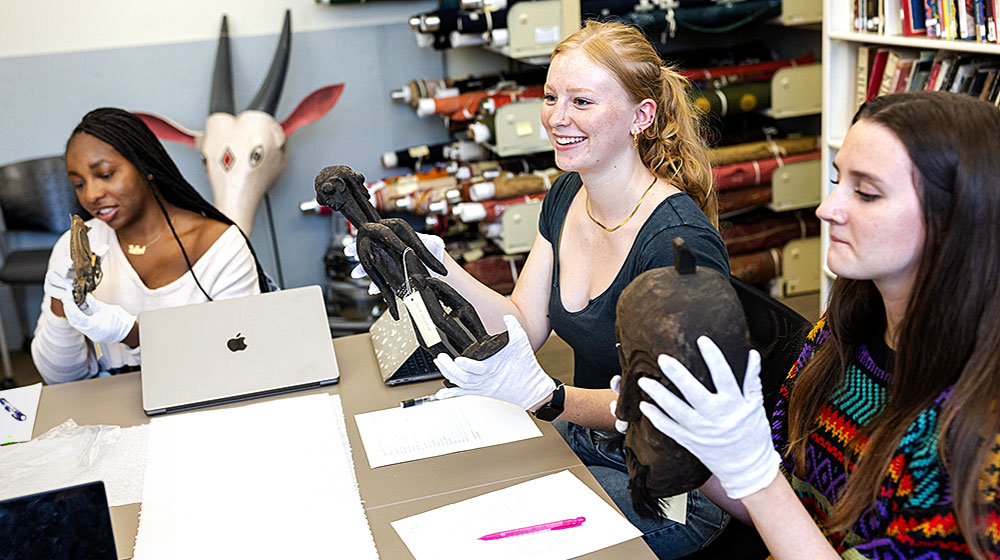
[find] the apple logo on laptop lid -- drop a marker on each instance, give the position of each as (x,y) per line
(236,343)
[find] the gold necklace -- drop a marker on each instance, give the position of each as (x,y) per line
(136,249)
(636,209)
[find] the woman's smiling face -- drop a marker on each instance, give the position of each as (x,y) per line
(107,185)
(587,114)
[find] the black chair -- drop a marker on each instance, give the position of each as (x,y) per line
(35,196)
(777,332)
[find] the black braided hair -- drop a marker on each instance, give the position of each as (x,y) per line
(130,136)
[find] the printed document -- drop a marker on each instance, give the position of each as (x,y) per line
(452,532)
(398,435)
(267,480)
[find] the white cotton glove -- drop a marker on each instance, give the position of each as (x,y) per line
(62,274)
(616,386)
(511,375)
(433,243)
(727,430)
(101,322)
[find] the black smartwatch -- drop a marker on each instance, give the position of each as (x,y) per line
(552,409)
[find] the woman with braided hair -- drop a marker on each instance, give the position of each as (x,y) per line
(638,176)
(162,245)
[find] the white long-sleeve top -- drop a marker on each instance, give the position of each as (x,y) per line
(61,353)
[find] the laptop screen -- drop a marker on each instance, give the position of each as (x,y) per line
(67,523)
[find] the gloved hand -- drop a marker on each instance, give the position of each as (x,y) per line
(433,243)
(63,269)
(101,322)
(727,430)
(616,386)
(511,375)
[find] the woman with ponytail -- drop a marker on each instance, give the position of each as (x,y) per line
(161,243)
(637,177)
(885,442)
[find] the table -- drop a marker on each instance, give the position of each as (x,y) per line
(388,493)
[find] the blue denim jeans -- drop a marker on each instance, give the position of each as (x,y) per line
(668,539)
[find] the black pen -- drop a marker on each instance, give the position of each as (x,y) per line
(419,400)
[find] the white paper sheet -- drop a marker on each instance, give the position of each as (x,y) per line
(267,480)
(453,531)
(398,435)
(18,408)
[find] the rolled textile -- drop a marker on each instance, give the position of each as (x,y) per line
(767,233)
(499,272)
(754,172)
(466,106)
(490,210)
(756,267)
(734,98)
(509,185)
(732,201)
(744,69)
(762,150)
(423,88)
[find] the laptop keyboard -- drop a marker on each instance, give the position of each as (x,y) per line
(418,365)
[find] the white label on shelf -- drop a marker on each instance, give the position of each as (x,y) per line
(549,34)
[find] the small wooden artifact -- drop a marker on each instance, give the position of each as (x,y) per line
(664,311)
(397,262)
(86,263)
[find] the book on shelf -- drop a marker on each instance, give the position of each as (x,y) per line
(994,93)
(941,70)
(864,61)
(876,72)
(964,72)
(892,21)
(919,76)
(991,76)
(897,71)
(979,11)
(914,18)
(932,18)
(901,76)
(990,15)
(965,16)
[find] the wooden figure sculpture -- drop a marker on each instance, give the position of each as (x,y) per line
(664,311)
(86,263)
(397,262)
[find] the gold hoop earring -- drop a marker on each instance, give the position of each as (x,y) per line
(635,139)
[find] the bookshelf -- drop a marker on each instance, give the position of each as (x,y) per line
(840,48)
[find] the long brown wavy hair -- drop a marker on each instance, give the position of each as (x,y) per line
(672,147)
(948,336)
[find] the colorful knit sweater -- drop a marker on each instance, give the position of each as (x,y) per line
(913,516)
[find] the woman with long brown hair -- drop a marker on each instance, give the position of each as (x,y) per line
(887,430)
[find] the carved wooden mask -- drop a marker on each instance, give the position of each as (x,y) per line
(664,311)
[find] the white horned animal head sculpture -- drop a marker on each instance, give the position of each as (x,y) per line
(244,154)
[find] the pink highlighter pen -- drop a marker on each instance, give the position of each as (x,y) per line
(551,526)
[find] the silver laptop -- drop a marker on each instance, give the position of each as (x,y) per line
(235,349)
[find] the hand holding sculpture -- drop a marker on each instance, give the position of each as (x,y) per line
(727,430)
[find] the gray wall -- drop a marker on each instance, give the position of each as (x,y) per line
(43,97)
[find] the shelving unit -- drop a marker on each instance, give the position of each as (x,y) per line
(840,49)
